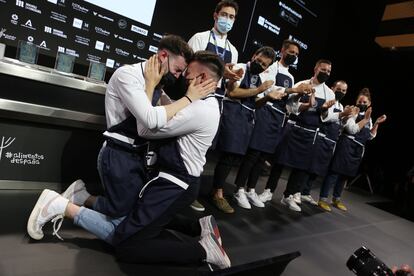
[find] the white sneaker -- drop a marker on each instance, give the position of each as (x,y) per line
(214,252)
(308,199)
(290,202)
(77,193)
(242,200)
(50,205)
(254,199)
(209,225)
(296,198)
(266,196)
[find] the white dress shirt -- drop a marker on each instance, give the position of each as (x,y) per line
(195,125)
(126,96)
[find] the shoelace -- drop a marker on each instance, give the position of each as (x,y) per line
(57,220)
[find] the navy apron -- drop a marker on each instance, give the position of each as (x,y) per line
(162,197)
(270,120)
(299,137)
(237,119)
(349,151)
(324,148)
(225,55)
(121,167)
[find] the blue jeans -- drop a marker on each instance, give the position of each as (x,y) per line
(98,224)
(335,180)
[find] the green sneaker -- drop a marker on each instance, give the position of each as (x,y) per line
(222,204)
(197,206)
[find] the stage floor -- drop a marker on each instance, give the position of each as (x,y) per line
(325,240)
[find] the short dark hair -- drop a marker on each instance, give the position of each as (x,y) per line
(323,61)
(211,60)
(177,46)
(266,51)
(365,92)
(287,42)
(227,3)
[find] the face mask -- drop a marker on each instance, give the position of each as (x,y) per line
(168,79)
(339,95)
(224,24)
(362,107)
(322,77)
(289,59)
(255,68)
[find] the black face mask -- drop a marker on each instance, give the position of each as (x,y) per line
(289,59)
(322,77)
(339,95)
(362,107)
(168,79)
(255,68)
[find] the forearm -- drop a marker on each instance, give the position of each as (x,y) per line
(176,106)
(239,93)
(149,90)
(361,124)
(374,130)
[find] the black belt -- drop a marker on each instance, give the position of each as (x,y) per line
(116,144)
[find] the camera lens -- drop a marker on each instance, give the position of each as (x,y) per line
(364,263)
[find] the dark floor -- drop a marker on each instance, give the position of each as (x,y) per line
(325,240)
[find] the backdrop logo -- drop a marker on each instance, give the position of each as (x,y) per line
(2,32)
(6,36)
(18,158)
(14,19)
(28,25)
(20,3)
(139,30)
(141,44)
(122,24)
(79,8)
(5,143)
(58,16)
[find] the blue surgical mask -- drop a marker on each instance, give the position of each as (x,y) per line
(224,24)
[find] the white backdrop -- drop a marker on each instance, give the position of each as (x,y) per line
(138,10)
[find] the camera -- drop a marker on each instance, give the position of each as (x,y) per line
(364,263)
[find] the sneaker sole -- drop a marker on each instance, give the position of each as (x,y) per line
(209,225)
(31,223)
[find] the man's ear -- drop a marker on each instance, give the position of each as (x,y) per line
(162,55)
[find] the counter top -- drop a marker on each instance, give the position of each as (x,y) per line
(48,75)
